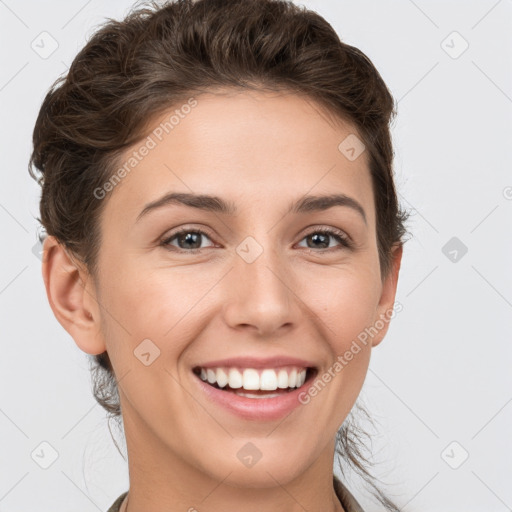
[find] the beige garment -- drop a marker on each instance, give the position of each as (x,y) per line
(347,500)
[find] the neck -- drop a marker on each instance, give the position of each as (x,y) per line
(178,485)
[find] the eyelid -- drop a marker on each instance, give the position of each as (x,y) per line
(319,227)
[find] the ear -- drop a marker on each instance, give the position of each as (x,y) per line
(72,297)
(385,310)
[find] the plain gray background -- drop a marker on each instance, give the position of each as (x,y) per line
(439,385)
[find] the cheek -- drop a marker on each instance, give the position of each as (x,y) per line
(346,302)
(139,295)
(141,308)
(161,304)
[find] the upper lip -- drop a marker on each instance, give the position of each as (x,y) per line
(258,362)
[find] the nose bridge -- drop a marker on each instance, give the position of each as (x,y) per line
(261,288)
(259,262)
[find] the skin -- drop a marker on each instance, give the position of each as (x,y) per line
(261,151)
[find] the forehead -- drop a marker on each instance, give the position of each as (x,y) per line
(252,146)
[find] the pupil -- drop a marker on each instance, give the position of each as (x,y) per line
(195,236)
(316,235)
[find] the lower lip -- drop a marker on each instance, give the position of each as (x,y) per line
(254,409)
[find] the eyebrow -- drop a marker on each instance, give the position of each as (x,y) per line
(218,205)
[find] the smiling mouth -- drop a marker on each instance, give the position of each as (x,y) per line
(249,382)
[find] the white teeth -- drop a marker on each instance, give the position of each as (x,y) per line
(292,378)
(235,378)
(268,380)
(253,395)
(251,379)
(212,378)
(222,377)
(282,379)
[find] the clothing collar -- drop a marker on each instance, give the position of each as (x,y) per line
(348,501)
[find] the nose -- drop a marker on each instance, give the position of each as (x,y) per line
(259,295)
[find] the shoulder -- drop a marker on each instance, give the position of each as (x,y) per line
(115,506)
(348,501)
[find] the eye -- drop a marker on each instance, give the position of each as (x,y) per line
(190,238)
(320,239)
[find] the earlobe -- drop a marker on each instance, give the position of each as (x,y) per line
(385,309)
(72,297)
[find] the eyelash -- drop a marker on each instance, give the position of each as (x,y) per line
(341,237)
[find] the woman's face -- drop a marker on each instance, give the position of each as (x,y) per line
(262,282)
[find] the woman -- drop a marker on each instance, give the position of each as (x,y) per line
(224,240)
